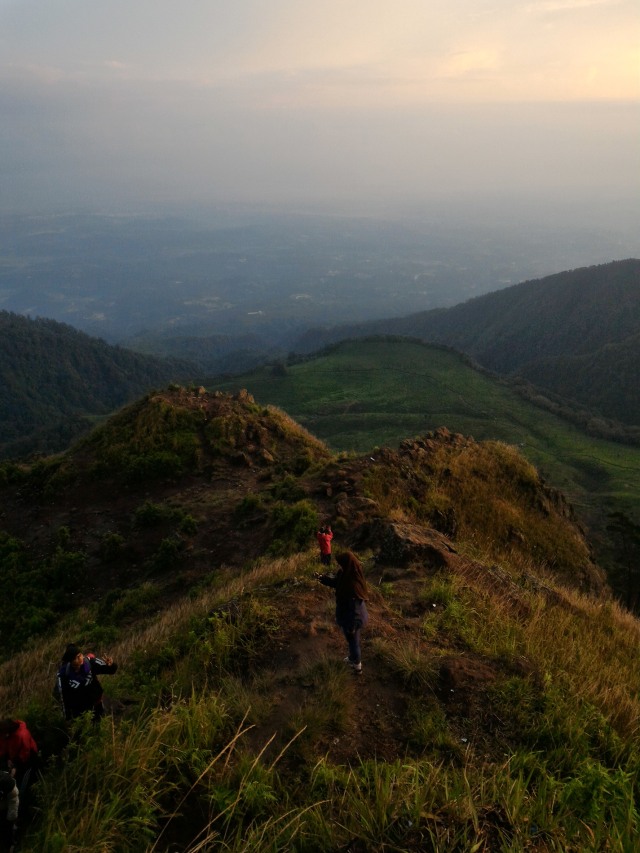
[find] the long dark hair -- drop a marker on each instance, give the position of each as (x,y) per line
(351,581)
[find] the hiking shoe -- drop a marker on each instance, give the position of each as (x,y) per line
(356,667)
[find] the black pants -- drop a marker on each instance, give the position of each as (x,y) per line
(6,834)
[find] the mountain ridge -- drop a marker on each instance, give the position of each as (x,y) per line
(242,464)
(499,697)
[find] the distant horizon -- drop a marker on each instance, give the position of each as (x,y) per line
(608,214)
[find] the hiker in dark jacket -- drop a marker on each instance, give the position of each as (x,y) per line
(351,609)
(77,684)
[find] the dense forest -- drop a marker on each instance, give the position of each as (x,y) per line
(54,380)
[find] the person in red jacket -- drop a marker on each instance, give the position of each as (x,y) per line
(18,749)
(324,537)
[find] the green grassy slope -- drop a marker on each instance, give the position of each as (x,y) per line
(590,316)
(361,394)
(499,701)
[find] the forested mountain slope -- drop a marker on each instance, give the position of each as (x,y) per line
(608,379)
(584,322)
(53,377)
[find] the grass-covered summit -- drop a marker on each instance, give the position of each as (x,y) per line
(499,703)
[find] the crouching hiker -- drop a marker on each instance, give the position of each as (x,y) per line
(9,803)
(18,752)
(19,758)
(77,685)
(351,610)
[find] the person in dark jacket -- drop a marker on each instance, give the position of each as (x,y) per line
(78,687)
(351,609)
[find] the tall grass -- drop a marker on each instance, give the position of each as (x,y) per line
(41,661)
(586,647)
(409,805)
(130,787)
(562,773)
(133,790)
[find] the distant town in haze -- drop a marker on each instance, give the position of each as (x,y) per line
(134,279)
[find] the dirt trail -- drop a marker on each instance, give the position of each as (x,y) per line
(306,661)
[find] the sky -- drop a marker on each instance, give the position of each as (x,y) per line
(355,104)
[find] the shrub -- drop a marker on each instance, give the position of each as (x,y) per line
(168,554)
(154,465)
(118,605)
(38,591)
(249,506)
(292,527)
(188,524)
(288,489)
(153,515)
(111,547)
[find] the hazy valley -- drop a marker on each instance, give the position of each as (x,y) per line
(146,280)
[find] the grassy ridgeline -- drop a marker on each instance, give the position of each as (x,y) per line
(551,762)
(363,394)
(498,709)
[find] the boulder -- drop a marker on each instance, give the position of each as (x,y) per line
(401,543)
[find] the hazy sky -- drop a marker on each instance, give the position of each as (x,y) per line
(130,103)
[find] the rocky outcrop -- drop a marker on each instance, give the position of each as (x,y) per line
(400,543)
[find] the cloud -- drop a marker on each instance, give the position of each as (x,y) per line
(547,6)
(116,65)
(246,99)
(471,62)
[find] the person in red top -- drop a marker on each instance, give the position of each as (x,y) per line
(17,747)
(324,537)
(18,751)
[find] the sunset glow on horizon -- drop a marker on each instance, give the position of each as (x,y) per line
(105,84)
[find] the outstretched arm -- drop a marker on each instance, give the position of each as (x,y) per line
(328,580)
(104,665)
